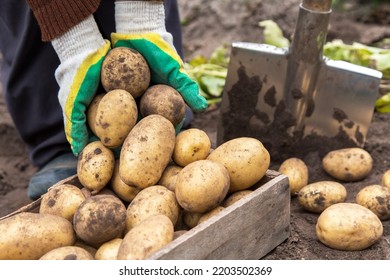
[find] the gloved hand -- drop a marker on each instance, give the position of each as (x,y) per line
(81,51)
(140,25)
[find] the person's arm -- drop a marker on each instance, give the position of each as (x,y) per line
(55,17)
(72,30)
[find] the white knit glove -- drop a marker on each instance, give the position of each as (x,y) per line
(140,25)
(81,51)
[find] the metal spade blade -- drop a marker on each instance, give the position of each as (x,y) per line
(295,100)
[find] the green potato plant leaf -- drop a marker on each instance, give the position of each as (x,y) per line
(210,73)
(273,35)
(382,104)
(359,54)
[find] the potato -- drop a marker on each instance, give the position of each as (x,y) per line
(120,188)
(86,192)
(116,115)
(62,200)
(92,112)
(106,190)
(152,201)
(92,250)
(108,250)
(202,185)
(147,151)
(377,199)
(163,100)
(191,219)
(28,236)
(349,227)
(125,68)
(349,164)
(99,219)
(191,145)
(246,160)
(385,181)
(95,166)
(318,196)
(297,172)
(169,176)
(157,229)
(211,213)
(179,233)
(67,253)
(232,198)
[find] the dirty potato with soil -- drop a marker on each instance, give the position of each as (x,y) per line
(236,196)
(159,231)
(191,219)
(147,151)
(108,250)
(318,196)
(297,172)
(95,166)
(202,185)
(120,188)
(169,176)
(28,236)
(349,227)
(209,214)
(385,180)
(191,145)
(62,200)
(163,100)
(246,160)
(92,111)
(116,115)
(99,219)
(152,201)
(125,68)
(348,164)
(67,253)
(377,199)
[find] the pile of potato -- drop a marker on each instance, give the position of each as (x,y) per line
(142,183)
(342,225)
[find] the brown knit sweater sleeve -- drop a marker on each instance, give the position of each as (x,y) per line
(55,17)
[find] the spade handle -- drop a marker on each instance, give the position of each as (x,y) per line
(306,58)
(317,5)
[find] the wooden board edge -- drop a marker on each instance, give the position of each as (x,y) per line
(278,178)
(34,206)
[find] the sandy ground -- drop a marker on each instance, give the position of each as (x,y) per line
(206,25)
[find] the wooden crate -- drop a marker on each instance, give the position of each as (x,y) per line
(247,229)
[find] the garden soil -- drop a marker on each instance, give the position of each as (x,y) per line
(207,25)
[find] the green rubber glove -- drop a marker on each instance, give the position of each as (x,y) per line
(81,51)
(140,25)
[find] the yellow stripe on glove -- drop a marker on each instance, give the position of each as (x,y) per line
(82,91)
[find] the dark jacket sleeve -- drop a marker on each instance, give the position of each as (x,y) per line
(55,17)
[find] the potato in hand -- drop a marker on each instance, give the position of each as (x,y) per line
(125,68)
(163,100)
(95,166)
(114,117)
